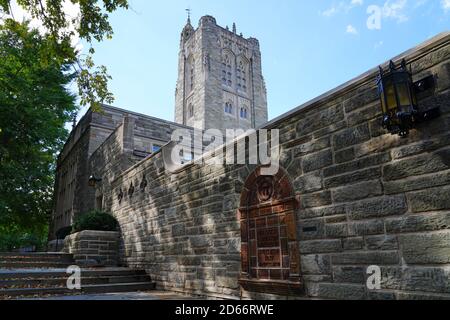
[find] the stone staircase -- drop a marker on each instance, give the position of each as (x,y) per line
(44,274)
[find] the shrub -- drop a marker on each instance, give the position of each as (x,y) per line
(15,241)
(95,221)
(63,233)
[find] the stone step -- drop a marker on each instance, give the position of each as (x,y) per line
(68,259)
(61,282)
(34,264)
(87,289)
(38,255)
(49,273)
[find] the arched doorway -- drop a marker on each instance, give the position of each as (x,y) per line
(270,259)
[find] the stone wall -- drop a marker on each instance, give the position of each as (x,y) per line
(365,198)
(93,248)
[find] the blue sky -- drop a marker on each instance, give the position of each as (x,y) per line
(308,47)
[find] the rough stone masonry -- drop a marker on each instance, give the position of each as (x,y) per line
(349,196)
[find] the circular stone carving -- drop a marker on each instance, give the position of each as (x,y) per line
(265,188)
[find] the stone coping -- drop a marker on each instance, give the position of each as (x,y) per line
(92,233)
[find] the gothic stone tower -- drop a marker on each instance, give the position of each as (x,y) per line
(220,82)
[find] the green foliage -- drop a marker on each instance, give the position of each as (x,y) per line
(95,221)
(14,241)
(35,70)
(34,107)
(91,24)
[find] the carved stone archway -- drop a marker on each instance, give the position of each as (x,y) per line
(270,258)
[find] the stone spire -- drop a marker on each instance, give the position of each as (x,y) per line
(234,28)
(188,30)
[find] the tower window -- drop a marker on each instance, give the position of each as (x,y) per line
(227,69)
(229,108)
(244,113)
(192,76)
(241,77)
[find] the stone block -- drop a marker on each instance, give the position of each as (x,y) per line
(363,228)
(311,147)
(320,246)
(315,264)
(378,207)
(322,212)
(426,279)
(364,115)
(317,161)
(308,182)
(353,177)
(430,199)
(344,155)
(319,199)
(361,100)
(419,223)
(341,291)
(366,258)
(351,136)
(349,274)
(383,242)
(178,230)
(353,243)
(417,183)
(359,164)
(363,190)
(336,230)
(426,248)
(420,165)
(420,147)
(380,295)
(319,120)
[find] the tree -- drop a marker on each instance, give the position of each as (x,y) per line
(36,68)
(34,106)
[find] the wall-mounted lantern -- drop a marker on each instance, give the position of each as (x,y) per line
(93,181)
(398,99)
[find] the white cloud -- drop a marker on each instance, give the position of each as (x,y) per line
(330,12)
(352,30)
(71,10)
(445,5)
(357,2)
(343,6)
(395,10)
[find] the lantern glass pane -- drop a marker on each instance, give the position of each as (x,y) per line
(403,94)
(390,95)
(383,103)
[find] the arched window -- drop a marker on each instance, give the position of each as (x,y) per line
(229,108)
(241,75)
(227,69)
(190,74)
(244,113)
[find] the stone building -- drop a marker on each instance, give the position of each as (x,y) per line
(349,198)
(239,102)
(145,136)
(220,83)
